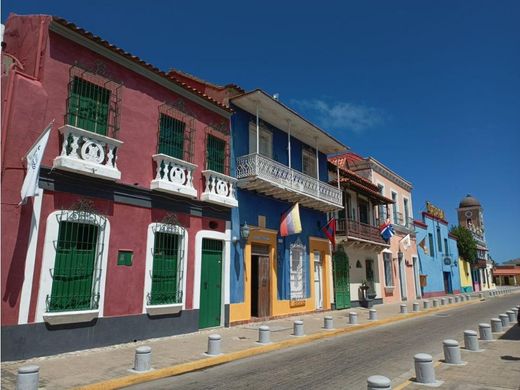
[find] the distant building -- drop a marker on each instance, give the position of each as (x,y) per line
(506,275)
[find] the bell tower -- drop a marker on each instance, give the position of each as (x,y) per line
(470,214)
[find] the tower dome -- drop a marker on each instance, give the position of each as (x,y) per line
(469,201)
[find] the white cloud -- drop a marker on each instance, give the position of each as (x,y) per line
(340,115)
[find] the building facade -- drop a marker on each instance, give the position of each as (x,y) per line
(280,160)
(438,254)
(129,236)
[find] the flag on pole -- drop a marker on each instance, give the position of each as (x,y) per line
(406,242)
(422,244)
(291,223)
(386,230)
(34,159)
(330,231)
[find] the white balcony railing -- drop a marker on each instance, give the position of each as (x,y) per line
(173,176)
(278,175)
(88,153)
(219,189)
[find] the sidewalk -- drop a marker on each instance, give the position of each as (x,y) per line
(183,353)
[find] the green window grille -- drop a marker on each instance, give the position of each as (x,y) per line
(88,106)
(212,245)
(216,154)
(73,276)
(166,270)
(171,136)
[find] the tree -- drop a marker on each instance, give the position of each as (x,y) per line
(466,244)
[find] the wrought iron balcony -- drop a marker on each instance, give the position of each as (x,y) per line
(358,230)
(174,176)
(219,189)
(88,153)
(262,174)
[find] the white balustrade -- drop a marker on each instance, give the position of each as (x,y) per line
(174,176)
(256,165)
(219,189)
(88,153)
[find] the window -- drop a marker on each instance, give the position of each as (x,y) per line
(88,106)
(439,239)
(389,276)
(406,211)
(432,248)
(171,136)
(363,211)
(297,272)
(309,162)
(394,208)
(381,208)
(215,154)
(266,141)
(446,252)
(165,271)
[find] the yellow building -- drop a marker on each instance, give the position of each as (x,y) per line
(466,281)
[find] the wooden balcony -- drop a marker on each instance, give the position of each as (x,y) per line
(355,230)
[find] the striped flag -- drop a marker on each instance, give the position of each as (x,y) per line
(330,231)
(291,223)
(386,230)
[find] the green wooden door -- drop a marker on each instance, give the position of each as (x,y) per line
(210,283)
(340,270)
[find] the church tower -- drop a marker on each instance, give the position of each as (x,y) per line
(471,216)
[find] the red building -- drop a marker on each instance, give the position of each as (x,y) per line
(129,235)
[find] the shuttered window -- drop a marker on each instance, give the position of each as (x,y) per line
(171,136)
(166,271)
(216,154)
(88,106)
(74,270)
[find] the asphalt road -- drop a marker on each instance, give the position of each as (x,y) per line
(344,362)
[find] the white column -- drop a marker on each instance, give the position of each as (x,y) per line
(317,168)
(289,143)
(257,131)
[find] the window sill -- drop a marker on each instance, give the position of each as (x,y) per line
(159,310)
(70,317)
(389,289)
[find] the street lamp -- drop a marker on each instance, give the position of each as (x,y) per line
(244,231)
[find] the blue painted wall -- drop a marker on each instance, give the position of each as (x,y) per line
(432,264)
(252,204)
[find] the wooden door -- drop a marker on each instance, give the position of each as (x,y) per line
(340,270)
(263,287)
(260,281)
(210,283)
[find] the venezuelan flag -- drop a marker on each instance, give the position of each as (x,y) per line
(291,223)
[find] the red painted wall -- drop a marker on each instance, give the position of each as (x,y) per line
(34,103)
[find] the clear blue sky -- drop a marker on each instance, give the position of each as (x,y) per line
(429,88)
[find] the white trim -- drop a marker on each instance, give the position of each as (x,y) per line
(395,205)
(150,241)
(30,259)
(226,237)
(49,257)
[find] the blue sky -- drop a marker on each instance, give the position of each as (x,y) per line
(429,88)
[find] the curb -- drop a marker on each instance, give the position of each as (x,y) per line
(184,368)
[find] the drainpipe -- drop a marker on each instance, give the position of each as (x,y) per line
(39,50)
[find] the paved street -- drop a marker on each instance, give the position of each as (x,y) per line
(345,361)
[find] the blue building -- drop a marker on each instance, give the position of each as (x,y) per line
(438,254)
(279,159)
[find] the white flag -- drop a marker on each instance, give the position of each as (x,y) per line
(406,242)
(34,159)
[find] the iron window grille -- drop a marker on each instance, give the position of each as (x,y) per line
(168,263)
(93,102)
(175,132)
(297,271)
(77,266)
(217,153)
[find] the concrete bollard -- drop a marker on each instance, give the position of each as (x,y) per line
(496,325)
(424,372)
(328,323)
(352,318)
(404,308)
(456,299)
(481,295)
(372,314)
(214,341)
(415,306)
(515,310)
(471,340)
(450,300)
(511,314)
(426,304)
(378,382)
(28,378)
(143,358)
(485,332)
(298,328)
(264,334)
(505,320)
(435,303)
(443,301)
(451,352)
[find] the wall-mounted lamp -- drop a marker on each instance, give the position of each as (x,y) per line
(245,230)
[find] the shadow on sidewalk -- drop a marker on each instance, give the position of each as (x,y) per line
(512,334)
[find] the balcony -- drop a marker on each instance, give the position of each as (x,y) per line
(399,222)
(174,176)
(359,231)
(259,173)
(219,189)
(88,153)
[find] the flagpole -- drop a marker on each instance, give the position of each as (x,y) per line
(39,138)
